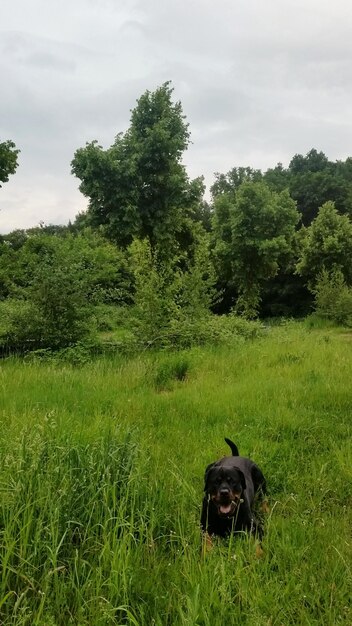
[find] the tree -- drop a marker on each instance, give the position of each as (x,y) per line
(327,245)
(263,225)
(314,161)
(138,187)
(277,178)
(8,160)
(262,228)
(221,240)
(314,180)
(230,182)
(311,180)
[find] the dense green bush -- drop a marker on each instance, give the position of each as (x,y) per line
(53,318)
(172,296)
(211,330)
(333,298)
(21,323)
(50,288)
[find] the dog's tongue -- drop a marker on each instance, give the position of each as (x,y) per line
(225,509)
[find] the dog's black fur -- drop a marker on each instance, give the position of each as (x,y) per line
(231,485)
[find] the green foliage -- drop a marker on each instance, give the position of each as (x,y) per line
(326,244)
(62,491)
(21,325)
(8,160)
(76,355)
(256,228)
(333,298)
(52,284)
(311,181)
(59,292)
(156,288)
(197,281)
(230,182)
(109,316)
(277,178)
(211,330)
(139,186)
(172,303)
(169,291)
(48,319)
(314,180)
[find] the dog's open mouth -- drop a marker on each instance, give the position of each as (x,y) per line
(228,509)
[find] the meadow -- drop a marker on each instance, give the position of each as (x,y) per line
(101,482)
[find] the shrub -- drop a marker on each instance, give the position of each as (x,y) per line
(52,319)
(156,287)
(21,325)
(333,298)
(53,284)
(212,330)
(172,295)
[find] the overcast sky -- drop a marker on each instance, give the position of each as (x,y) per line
(259,81)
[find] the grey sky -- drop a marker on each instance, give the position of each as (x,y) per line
(259,81)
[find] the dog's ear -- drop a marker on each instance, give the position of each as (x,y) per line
(207,475)
(242,479)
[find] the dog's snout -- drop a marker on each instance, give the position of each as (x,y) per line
(224,492)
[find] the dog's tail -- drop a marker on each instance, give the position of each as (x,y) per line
(233,447)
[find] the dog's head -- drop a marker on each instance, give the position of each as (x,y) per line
(224,485)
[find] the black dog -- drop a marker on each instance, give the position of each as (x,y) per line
(230,487)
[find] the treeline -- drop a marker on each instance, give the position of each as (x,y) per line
(150,255)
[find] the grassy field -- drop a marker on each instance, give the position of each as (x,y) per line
(101,478)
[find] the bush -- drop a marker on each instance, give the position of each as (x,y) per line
(333,298)
(212,330)
(173,297)
(53,284)
(156,290)
(21,325)
(209,330)
(30,325)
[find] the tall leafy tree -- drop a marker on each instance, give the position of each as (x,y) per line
(8,160)
(139,187)
(314,180)
(327,245)
(262,225)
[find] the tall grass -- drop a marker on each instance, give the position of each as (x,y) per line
(101,483)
